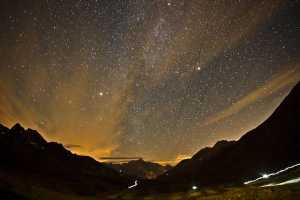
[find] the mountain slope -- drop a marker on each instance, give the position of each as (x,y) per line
(25,157)
(271,146)
(141,169)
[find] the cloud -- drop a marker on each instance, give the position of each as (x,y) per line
(72,146)
(120,158)
(198,35)
(278,82)
(66,108)
(174,161)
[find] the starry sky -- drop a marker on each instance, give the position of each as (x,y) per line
(157,79)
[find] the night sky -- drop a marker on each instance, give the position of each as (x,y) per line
(157,79)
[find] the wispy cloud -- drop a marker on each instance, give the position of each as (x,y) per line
(72,146)
(120,158)
(278,82)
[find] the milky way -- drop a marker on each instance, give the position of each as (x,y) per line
(153,79)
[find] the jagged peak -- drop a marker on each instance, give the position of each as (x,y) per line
(36,136)
(17,127)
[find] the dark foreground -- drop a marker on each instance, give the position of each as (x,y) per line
(291,192)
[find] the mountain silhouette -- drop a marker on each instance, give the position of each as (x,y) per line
(27,158)
(273,145)
(141,169)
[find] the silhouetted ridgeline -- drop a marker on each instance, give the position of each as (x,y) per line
(27,159)
(271,146)
(141,169)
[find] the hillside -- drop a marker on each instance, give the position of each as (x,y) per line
(141,169)
(28,160)
(273,145)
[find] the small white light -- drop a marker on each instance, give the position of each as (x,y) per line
(198,68)
(134,185)
(101,93)
(272,174)
(194,187)
(265,176)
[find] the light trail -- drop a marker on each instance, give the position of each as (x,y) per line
(291,181)
(134,185)
(265,176)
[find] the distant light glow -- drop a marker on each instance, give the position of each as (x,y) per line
(291,181)
(194,187)
(264,176)
(134,185)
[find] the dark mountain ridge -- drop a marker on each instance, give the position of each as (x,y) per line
(273,145)
(26,155)
(141,169)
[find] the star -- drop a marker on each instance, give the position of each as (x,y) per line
(161,78)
